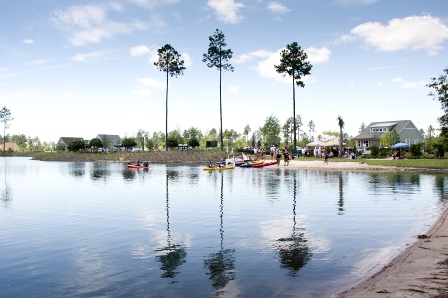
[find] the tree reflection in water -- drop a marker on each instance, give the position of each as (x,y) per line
(439,184)
(77,169)
(100,170)
(128,174)
(222,263)
(293,251)
(341,195)
(171,255)
(6,193)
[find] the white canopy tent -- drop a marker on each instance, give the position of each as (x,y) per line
(334,142)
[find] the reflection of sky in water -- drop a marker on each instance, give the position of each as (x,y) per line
(100,229)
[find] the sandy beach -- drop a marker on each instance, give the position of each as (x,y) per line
(420,270)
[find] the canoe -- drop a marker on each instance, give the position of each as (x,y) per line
(219,168)
(270,163)
(137,167)
(251,164)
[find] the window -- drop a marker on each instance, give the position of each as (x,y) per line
(407,141)
(414,141)
(378,129)
(365,143)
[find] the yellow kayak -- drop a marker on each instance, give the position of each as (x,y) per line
(219,168)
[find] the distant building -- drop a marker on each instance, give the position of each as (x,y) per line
(371,135)
(64,141)
(110,141)
(14,147)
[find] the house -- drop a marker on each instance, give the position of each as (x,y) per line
(64,141)
(110,141)
(406,130)
(11,146)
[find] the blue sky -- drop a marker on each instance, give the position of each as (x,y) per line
(82,68)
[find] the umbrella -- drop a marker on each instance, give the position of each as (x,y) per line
(400,145)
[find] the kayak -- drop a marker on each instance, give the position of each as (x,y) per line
(265,164)
(219,168)
(251,164)
(137,167)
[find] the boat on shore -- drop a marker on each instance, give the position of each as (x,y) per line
(264,164)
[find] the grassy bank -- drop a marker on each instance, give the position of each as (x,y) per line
(189,156)
(203,156)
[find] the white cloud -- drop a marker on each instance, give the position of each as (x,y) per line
(411,33)
(406,85)
(227,11)
(28,41)
(276,7)
(148,82)
(247,57)
(187,59)
(139,51)
(266,68)
(89,24)
(316,55)
(152,3)
(145,86)
(84,57)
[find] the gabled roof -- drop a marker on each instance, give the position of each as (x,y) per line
(391,125)
(11,145)
(67,140)
(114,139)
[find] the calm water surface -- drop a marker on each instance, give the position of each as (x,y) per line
(101,230)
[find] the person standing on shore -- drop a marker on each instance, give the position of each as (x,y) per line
(278,156)
(325,157)
(286,156)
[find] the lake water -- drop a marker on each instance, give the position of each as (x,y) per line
(72,229)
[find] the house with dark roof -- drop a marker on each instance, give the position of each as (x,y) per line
(110,141)
(64,141)
(371,135)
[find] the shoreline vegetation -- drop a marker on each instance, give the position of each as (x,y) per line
(419,270)
(203,156)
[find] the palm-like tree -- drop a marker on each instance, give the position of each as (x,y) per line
(341,124)
(169,62)
(5,117)
(293,63)
(218,57)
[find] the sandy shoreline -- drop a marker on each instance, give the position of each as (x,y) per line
(420,270)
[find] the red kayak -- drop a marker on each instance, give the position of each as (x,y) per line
(270,163)
(137,167)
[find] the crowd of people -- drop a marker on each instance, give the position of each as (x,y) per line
(319,152)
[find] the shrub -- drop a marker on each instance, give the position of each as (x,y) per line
(440,150)
(416,150)
(374,150)
(193,142)
(76,146)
